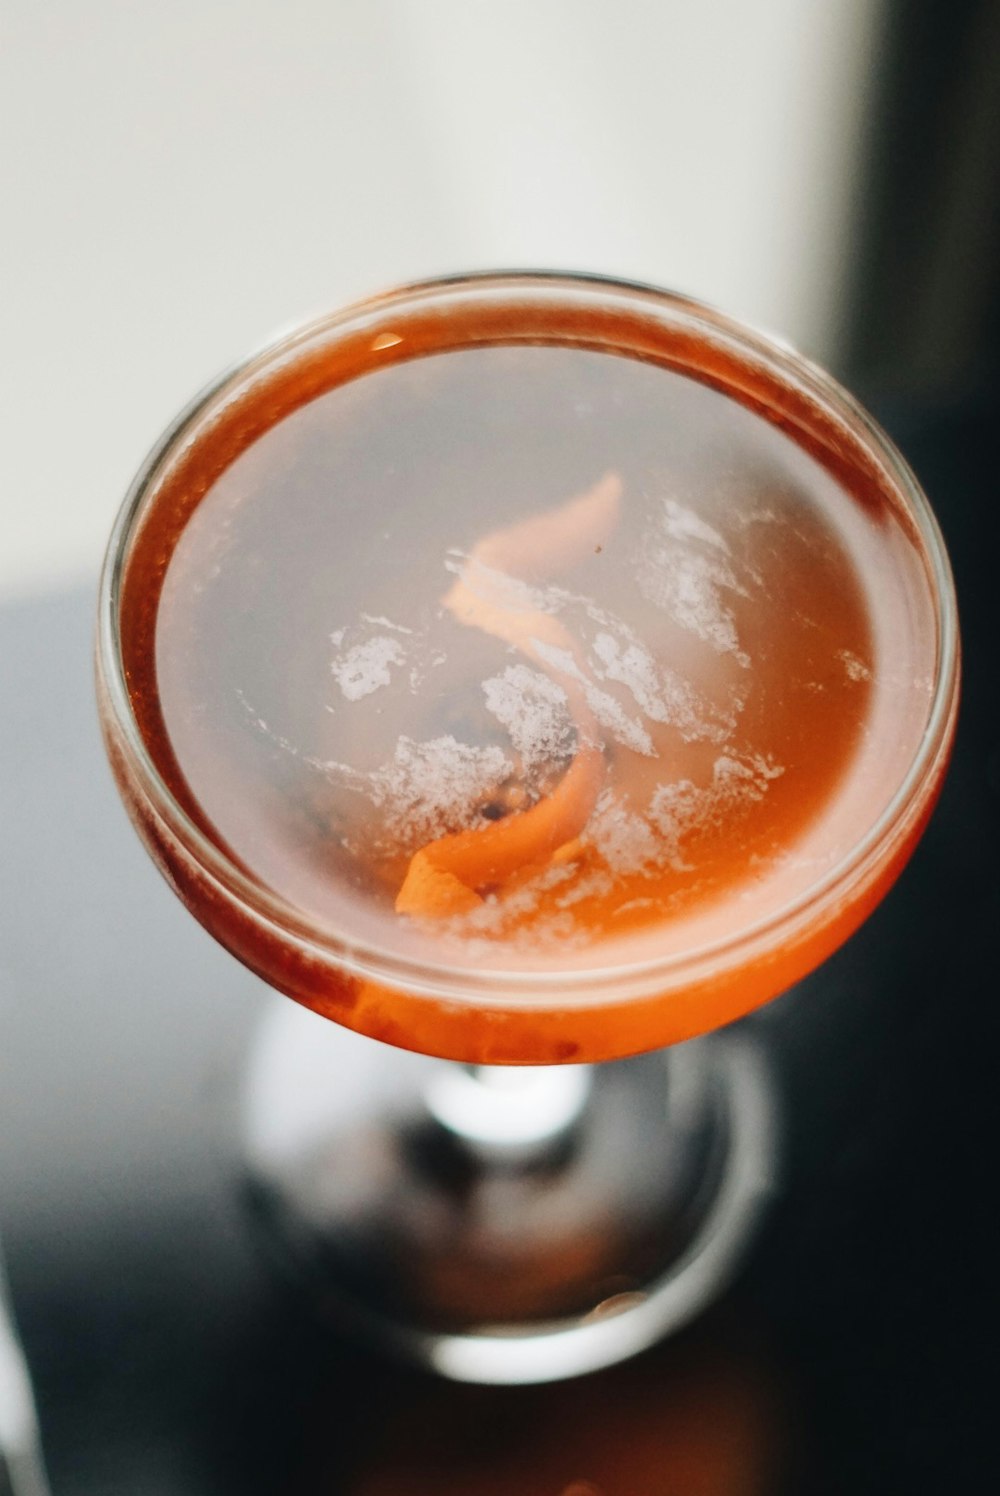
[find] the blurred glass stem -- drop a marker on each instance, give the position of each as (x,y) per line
(22,1472)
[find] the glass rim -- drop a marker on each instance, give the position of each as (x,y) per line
(605,983)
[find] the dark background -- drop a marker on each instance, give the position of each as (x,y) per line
(853,1354)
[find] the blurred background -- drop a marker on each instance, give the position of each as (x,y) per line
(180,182)
(177,183)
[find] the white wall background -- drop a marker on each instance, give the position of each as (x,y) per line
(179,180)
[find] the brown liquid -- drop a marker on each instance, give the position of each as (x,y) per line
(742,636)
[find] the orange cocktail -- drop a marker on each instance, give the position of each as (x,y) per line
(524,669)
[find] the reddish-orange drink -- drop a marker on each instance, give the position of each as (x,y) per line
(526,670)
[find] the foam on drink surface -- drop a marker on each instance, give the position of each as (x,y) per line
(417,606)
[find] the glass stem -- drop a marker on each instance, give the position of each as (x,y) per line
(510,1108)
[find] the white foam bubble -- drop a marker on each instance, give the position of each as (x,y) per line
(606,708)
(659,692)
(683,524)
(384,623)
(534,710)
(625,840)
(678,809)
(365,667)
(856,668)
(683,568)
(429,788)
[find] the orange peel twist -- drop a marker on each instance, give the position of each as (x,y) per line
(448,875)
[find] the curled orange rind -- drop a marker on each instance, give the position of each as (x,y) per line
(492,592)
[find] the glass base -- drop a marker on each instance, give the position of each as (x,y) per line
(507,1226)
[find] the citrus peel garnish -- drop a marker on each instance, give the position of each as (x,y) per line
(449,875)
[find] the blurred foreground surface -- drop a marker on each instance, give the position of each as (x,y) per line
(852,1354)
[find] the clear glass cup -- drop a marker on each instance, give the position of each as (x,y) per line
(552,1013)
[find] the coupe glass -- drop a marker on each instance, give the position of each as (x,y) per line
(546,1165)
